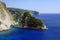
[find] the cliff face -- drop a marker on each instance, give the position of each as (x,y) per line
(6,19)
(2,5)
(13,16)
(19,14)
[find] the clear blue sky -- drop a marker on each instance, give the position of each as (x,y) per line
(43,6)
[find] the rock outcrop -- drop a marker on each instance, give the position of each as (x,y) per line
(20,17)
(5,17)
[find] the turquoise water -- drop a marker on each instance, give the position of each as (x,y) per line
(52,21)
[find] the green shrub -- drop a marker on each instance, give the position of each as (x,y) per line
(0,22)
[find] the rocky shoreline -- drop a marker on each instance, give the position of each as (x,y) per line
(24,19)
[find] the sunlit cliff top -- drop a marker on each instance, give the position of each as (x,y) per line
(2,4)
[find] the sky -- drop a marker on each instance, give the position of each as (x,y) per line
(42,6)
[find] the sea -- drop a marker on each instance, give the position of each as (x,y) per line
(52,22)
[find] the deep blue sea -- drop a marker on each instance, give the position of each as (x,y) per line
(52,22)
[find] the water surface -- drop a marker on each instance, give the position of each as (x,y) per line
(52,21)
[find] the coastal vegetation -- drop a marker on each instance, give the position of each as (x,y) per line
(26,18)
(0,22)
(22,18)
(30,20)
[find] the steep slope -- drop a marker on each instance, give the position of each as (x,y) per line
(14,16)
(5,17)
(19,14)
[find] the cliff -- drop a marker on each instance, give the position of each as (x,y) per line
(22,18)
(19,14)
(6,19)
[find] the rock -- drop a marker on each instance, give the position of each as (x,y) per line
(44,28)
(5,17)
(9,18)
